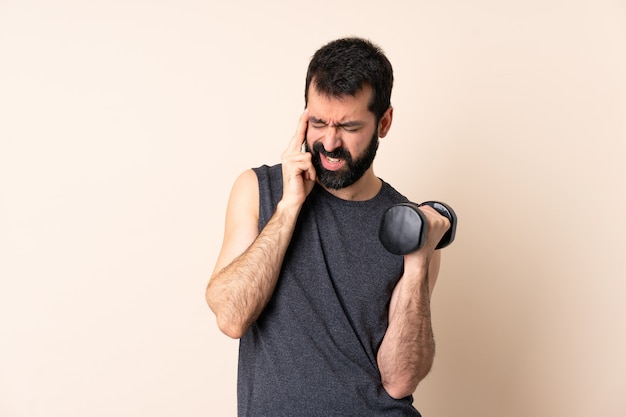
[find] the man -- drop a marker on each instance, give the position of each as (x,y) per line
(329,322)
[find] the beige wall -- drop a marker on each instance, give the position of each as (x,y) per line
(124,123)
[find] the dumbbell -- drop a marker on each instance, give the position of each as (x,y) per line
(403,227)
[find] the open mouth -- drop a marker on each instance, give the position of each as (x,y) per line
(332,164)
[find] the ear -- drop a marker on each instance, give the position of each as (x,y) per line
(385,123)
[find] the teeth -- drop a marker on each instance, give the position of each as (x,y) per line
(334,160)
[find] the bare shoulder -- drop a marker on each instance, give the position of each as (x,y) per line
(242,218)
(243,205)
(246,190)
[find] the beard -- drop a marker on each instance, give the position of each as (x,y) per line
(351,172)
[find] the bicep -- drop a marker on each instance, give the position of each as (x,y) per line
(242,219)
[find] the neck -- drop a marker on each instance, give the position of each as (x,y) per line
(364,189)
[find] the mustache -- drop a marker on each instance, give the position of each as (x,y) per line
(339,153)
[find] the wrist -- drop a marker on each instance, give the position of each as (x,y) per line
(416,266)
(288,210)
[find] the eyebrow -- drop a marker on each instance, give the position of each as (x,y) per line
(350,123)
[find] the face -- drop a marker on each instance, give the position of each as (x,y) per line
(342,137)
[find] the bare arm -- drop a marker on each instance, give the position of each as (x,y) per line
(249,262)
(408,348)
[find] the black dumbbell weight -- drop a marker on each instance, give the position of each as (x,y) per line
(403,227)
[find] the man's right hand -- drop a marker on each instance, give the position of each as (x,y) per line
(298,170)
(249,262)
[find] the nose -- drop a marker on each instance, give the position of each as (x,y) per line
(332,139)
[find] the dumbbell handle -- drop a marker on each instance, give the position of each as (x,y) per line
(403,228)
(447,212)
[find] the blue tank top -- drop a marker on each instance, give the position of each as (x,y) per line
(312,352)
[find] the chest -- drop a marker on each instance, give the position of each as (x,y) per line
(336,251)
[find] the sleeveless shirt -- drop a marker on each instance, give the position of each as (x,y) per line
(312,351)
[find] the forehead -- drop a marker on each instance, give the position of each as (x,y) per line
(340,108)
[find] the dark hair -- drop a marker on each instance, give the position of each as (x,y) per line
(343,66)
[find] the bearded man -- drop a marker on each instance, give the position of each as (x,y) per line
(330,323)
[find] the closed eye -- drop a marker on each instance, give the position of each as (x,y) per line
(351,126)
